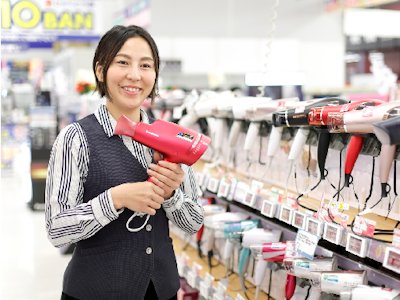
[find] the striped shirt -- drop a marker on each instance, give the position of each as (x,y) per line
(69,219)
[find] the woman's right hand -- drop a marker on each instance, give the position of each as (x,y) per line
(143,197)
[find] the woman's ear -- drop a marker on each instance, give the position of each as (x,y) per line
(99,72)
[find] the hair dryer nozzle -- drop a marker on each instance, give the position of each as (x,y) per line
(335,122)
(125,127)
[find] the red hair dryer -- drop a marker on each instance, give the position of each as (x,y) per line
(176,143)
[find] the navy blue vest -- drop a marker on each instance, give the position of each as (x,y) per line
(114,263)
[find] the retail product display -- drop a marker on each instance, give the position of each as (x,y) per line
(362,292)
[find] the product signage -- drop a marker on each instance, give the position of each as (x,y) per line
(42,21)
(137,13)
(331,5)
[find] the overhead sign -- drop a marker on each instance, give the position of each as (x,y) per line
(47,21)
(331,5)
(137,13)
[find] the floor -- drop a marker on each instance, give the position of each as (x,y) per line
(31,268)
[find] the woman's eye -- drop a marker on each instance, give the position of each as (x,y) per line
(122,62)
(146,66)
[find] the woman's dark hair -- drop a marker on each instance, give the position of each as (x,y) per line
(108,47)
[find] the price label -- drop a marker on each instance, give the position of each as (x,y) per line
(232,189)
(268,208)
(291,250)
(276,195)
(363,226)
(340,205)
(199,178)
(197,268)
(250,198)
(315,226)
(239,297)
(299,219)
(204,290)
(396,238)
(333,233)
(191,278)
(185,259)
(213,185)
(291,201)
(392,259)
(221,289)
(357,245)
(306,243)
(286,214)
(223,190)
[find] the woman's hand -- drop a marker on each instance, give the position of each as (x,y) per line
(143,197)
(166,175)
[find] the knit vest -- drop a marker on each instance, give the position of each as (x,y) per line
(115,263)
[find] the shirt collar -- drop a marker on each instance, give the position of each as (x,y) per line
(108,122)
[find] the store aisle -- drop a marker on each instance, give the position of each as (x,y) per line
(31,268)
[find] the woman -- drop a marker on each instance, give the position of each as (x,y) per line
(97,180)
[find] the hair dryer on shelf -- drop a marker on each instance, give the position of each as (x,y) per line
(303,268)
(335,282)
(215,223)
(388,134)
(177,144)
(263,254)
(318,116)
(360,122)
(362,292)
(256,236)
(227,229)
(209,209)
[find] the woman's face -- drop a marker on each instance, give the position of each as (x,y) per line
(131,75)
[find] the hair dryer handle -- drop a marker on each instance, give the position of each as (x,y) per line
(290,286)
(323,147)
(354,149)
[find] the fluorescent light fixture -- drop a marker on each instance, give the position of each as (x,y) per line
(274,78)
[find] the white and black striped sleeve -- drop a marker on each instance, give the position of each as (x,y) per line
(185,209)
(68,219)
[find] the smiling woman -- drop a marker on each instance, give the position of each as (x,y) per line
(98,180)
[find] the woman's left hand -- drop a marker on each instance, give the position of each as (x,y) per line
(166,175)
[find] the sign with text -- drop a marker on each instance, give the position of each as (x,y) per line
(49,21)
(306,243)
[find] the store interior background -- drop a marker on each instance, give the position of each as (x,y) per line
(203,45)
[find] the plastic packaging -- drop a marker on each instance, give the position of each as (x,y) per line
(363,292)
(336,282)
(302,267)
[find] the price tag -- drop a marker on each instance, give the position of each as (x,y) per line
(232,189)
(191,278)
(357,245)
(340,205)
(291,201)
(344,219)
(177,113)
(392,259)
(396,238)
(256,186)
(315,226)
(276,195)
(268,208)
(363,226)
(204,290)
(212,185)
(333,233)
(221,289)
(299,219)
(223,189)
(306,243)
(197,268)
(185,259)
(239,297)
(286,214)
(200,178)
(240,191)
(250,198)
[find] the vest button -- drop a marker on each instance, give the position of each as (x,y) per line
(148,227)
(149,250)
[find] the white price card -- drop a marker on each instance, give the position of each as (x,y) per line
(392,259)
(250,198)
(315,226)
(286,214)
(268,208)
(221,289)
(357,245)
(239,297)
(197,268)
(191,278)
(306,243)
(299,219)
(223,189)
(333,233)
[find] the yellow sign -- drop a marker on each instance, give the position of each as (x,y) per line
(28,15)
